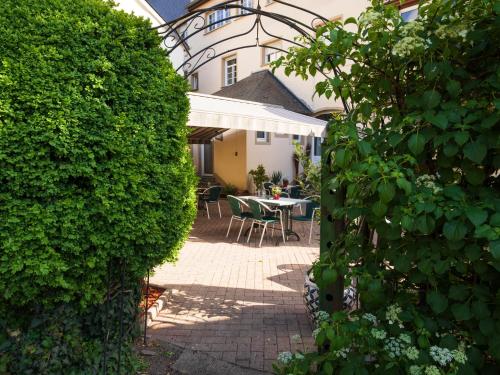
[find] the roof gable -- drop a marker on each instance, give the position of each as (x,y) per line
(264,87)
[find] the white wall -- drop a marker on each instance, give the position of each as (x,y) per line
(250,60)
(276,156)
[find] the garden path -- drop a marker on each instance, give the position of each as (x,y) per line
(235,301)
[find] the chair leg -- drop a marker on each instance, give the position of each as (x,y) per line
(208,212)
(311,230)
(282,230)
(241,229)
(250,231)
(262,236)
(300,209)
(220,215)
(228,229)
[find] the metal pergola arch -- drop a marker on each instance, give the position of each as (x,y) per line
(178,32)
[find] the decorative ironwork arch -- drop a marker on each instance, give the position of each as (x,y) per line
(177,33)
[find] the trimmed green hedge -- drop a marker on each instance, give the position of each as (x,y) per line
(94,164)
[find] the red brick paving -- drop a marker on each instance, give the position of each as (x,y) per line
(235,301)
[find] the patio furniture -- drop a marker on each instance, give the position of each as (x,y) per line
(263,216)
(236,205)
(267,187)
(294,192)
(312,206)
(211,195)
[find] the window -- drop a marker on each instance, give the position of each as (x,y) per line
(296,138)
(317,146)
(246,4)
(230,71)
(261,137)
(218,19)
(409,14)
(270,55)
(194,82)
(271,52)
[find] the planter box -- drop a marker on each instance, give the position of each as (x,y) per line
(311,297)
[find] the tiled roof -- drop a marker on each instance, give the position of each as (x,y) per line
(169,9)
(264,87)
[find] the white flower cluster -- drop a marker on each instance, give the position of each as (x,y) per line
(342,353)
(299,356)
(392,314)
(449,32)
(411,353)
(316,332)
(285,357)
(428,181)
(379,334)
(415,370)
(432,370)
(322,316)
(412,28)
(370,317)
(459,356)
(369,17)
(406,338)
(407,46)
(394,347)
(442,356)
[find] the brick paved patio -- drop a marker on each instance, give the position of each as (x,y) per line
(237,302)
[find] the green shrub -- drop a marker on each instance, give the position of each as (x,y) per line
(411,189)
(94,165)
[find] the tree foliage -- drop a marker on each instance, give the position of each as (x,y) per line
(416,163)
(94,165)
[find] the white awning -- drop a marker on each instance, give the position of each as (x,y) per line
(209,111)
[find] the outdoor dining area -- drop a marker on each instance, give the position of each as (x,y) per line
(273,210)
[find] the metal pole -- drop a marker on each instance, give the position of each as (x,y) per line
(146,310)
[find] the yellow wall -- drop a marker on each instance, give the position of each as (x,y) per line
(230,159)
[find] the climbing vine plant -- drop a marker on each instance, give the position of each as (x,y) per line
(414,183)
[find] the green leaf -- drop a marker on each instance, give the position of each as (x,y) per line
(431,99)
(402,263)
(474,176)
(458,292)
(480,310)
(487,326)
(437,301)
(461,137)
(453,88)
(327,368)
(450,149)
(386,191)
(425,224)
(454,230)
(475,151)
(350,20)
(365,148)
(404,185)
(416,143)
(495,220)
(495,249)
(461,311)
(440,120)
(476,215)
(473,252)
(379,209)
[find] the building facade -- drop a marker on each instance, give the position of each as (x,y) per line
(245,74)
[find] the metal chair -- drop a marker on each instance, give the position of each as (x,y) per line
(311,208)
(268,187)
(211,195)
(263,216)
(236,205)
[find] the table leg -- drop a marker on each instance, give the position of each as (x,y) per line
(289,229)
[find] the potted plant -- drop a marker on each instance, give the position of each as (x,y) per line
(276,177)
(276,190)
(259,177)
